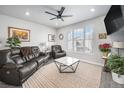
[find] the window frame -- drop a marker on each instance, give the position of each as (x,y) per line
(83,39)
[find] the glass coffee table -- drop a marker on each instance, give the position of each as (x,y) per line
(67,64)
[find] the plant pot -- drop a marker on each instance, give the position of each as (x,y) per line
(118,78)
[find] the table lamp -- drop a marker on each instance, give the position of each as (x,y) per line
(0,43)
(118,45)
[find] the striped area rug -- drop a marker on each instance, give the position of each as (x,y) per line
(86,76)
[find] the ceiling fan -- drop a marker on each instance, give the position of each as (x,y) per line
(59,15)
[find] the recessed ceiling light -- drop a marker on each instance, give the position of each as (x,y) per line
(27,13)
(92,10)
(56,24)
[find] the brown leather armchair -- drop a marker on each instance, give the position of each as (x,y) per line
(57,51)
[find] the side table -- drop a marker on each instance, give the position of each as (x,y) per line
(106,69)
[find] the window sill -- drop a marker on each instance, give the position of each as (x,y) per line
(80,53)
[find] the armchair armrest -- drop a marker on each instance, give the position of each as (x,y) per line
(60,52)
(63,51)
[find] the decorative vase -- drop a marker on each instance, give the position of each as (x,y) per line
(105,54)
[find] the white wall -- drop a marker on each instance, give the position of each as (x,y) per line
(98,26)
(38,33)
(118,37)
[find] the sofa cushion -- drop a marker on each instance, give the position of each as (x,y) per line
(5,57)
(27,69)
(15,51)
(30,57)
(35,51)
(25,51)
(18,59)
(40,60)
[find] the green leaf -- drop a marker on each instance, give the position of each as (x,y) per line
(13,42)
(116,64)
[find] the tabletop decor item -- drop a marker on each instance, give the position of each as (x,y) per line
(42,46)
(118,46)
(0,43)
(105,49)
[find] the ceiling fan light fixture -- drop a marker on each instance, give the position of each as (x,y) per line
(60,15)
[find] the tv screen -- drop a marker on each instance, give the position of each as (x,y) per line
(114,19)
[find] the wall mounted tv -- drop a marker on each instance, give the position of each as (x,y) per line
(114,19)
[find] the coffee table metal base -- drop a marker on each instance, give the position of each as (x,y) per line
(62,67)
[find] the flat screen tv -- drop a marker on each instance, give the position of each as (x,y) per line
(114,19)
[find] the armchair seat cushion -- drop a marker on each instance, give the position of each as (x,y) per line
(27,69)
(58,55)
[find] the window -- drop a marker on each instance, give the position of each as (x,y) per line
(80,40)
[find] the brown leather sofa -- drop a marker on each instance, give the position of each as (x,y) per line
(18,64)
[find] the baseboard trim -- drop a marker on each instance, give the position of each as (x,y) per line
(91,62)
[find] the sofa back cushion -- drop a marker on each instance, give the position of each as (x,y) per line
(36,51)
(5,57)
(18,59)
(27,53)
(15,51)
(16,56)
(30,57)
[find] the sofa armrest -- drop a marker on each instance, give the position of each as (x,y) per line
(1,65)
(9,73)
(12,66)
(43,53)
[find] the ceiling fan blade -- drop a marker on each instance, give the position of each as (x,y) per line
(66,15)
(50,13)
(62,19)
(62,10)
(53,18)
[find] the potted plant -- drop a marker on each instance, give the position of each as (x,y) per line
(116,65)
(13,42)
(105,49)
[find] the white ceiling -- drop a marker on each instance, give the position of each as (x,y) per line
(38,15)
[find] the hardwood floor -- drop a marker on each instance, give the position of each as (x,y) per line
(50,77)
(107,82)
(4,85)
